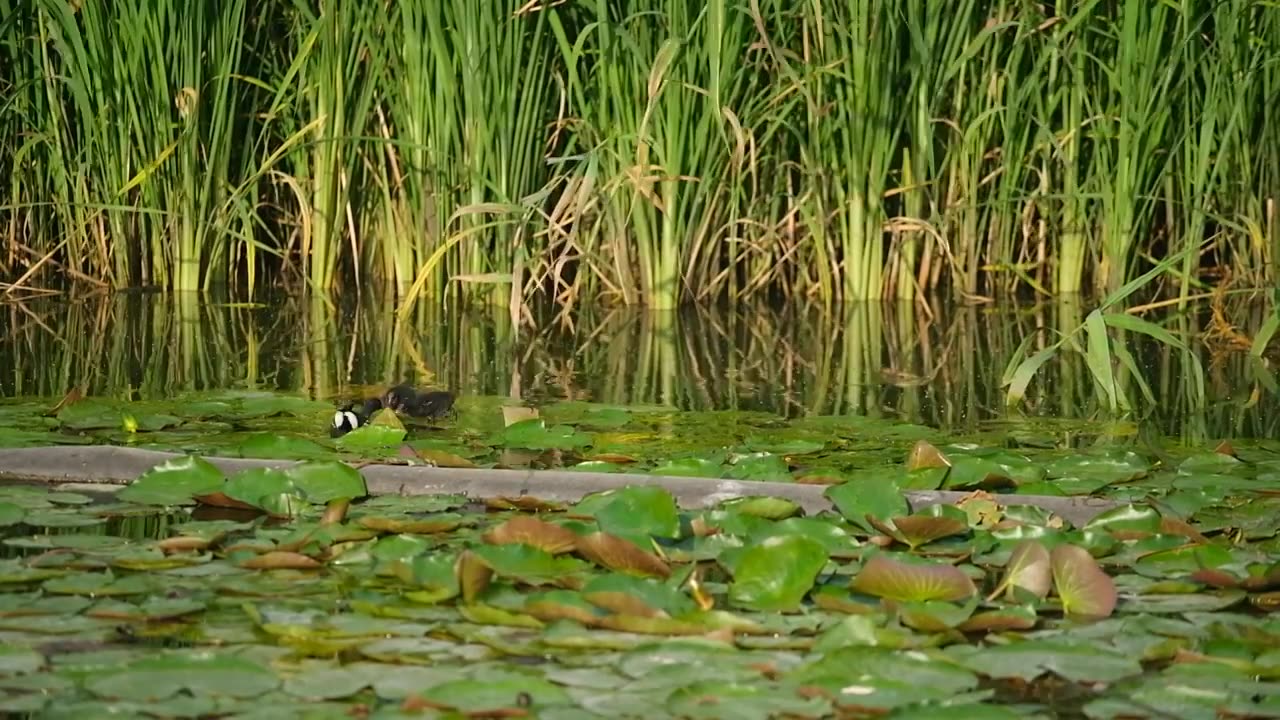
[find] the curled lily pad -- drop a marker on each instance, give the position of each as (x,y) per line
(373,436)
(622,555)
(1030,659)
(1014,617)
(19,660)
(978,472)
(1127,521)
(921,529)
(1082,585)
(1028,570)
(765,507)
(886,577)
(633,595)
(555,605)
(280,560)
(489,697)
(533,532)
(759,466)
(474,575)
(100,413)
(247,488)
(438,523)
(689,467)
(746,701)
(438,457)
(269,445)
(925,455)
(60,519)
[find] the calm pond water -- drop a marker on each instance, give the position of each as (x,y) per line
(940,365)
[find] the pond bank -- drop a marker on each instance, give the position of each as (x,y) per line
(108,467)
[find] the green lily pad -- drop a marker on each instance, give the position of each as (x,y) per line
(19,660)
(777,573)
(174,482)
(877,497)
(528,564)
(533,434)
(689,467)
(635,512)
(747,701)
(489,696)
(762,466)
(1028,660)
(158,678)
(371,437)
(100,413)
(322,482)
(268,445)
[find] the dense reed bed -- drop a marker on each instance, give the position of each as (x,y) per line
(645,152)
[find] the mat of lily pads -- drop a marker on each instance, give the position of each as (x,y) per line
(1034,456)
(291,593)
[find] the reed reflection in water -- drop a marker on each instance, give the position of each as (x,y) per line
(940,366)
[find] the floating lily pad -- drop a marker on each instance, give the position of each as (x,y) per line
(1084,588)
(489,696)
(1029,570)
(885,577)
(175,482)
(157,678)
(19,660)
(877,497)
(622,555)
(533,434)
(533,532)
(1030,659)
(777,573)
(635,512)
(285,447)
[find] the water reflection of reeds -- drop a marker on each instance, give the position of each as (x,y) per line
(940,367)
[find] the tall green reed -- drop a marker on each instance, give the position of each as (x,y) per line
(653,153)
(469,106)
(658,91)
(141,105)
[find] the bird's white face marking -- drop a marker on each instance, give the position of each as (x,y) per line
(352,420)
(337,419)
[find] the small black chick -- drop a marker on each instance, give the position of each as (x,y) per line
(404,399)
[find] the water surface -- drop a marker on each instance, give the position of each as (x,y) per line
(940,365)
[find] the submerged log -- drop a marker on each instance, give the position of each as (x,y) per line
(107,467)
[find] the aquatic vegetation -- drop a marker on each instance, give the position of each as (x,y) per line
(294,592)
(577,435)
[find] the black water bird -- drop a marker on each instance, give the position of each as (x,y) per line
(401,399)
